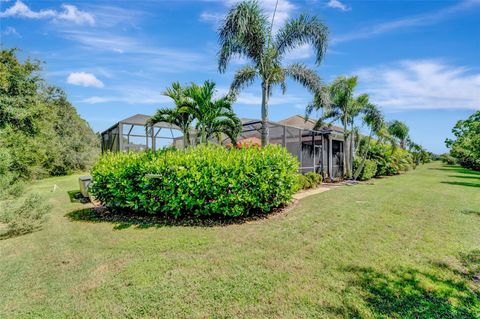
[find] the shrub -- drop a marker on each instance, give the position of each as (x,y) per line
(314,178)
(448,159)
(25,215)
(309,180)
(368,171)
(202,181)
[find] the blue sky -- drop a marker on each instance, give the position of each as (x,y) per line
(418,60)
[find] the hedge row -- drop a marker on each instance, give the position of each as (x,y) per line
(202,181)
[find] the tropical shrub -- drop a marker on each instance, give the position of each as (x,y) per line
(368,171)
(24,215)
(309,180)
(208,180)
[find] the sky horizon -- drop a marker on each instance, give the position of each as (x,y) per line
(418,60)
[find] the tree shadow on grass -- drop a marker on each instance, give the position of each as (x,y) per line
(126,219)
(470,212)
(474,177)
(456,169)
(463,184)
(442,292)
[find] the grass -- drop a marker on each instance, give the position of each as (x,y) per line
(401,247)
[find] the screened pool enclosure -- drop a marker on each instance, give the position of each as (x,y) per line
(317,150)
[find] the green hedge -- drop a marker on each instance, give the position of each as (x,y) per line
(369,169)
(202,181)
(309,180)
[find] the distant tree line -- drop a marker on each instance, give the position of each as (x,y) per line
(41,134)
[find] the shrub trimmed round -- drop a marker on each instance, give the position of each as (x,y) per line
(202,181)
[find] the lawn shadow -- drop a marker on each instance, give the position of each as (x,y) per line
(455,168)
(463,184)
(126,219)
(466,177)
(442,292)
(471,212)
(76,197)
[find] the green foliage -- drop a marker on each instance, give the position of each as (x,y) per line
(39,129)
(448,159)
(390,160)
(208,180)
(399,131)
(466,146)
(309,180)
(247,32)
(24,215)
(368,170)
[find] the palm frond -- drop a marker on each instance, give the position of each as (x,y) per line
(244,33)
(305,76)
(243,78)
(300,31)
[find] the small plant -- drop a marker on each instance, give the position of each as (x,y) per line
(309,180)
(25,215)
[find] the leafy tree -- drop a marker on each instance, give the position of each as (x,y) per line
(399,130)
(246,32)
(176,116)
(39,128)
(466,145)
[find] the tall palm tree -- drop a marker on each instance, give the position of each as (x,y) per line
(373,118)
(399,130)
(175,115)
(246,32)
(214,117)
(341,107)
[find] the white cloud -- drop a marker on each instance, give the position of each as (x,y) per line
(421,84)
(408,22)
(70,13)
(302,52)
(11,31)
(336,4)
(129,95)
(84,79)
(20,9)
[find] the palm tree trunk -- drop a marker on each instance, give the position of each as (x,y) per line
(351,157)
(345,136)
(265,95)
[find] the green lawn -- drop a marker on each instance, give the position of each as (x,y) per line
(403,247)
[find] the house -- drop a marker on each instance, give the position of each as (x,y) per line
(318,150)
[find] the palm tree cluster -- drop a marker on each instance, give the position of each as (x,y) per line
(246,32)
(196,111)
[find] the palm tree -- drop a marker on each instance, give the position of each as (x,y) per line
(175,115)
(213,117)
(246,32)
(399,130)
(373,118)
(341,107)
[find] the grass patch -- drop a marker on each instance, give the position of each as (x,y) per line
(400,248)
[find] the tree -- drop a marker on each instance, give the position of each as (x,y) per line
(341,107)
(246,32)
(183,120)
(39,128)
(399,130)
(373,118)
(466,145)
(214,117)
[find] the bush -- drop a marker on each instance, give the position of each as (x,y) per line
(25,215)
(368,171)
(309,180)
(203,181)
(448,159)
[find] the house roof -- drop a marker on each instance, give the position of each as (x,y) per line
(308,124)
